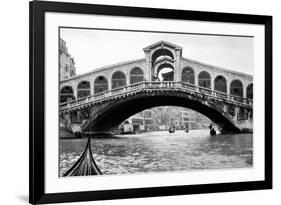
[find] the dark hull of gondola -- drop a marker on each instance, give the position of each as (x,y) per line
(85,165)
(213,132)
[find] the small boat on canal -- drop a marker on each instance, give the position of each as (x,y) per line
(213,132)
(172,129)
(186,128)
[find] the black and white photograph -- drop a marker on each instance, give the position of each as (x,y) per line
(121,102)
(131,102)
(150,101)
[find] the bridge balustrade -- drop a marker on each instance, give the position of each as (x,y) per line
(236,98)
(187,86)
(205,91)
(220,94)
(101,96)
(154,85)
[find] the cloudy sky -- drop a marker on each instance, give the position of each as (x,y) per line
(93,49)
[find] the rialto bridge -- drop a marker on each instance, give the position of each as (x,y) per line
(100,100)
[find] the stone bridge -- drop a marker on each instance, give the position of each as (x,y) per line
(100,100)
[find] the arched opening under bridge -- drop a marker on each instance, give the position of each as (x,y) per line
(115,113)
(164,117)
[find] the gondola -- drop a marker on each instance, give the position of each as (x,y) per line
(213,132)
(172,129)
(85,165)
(186,129)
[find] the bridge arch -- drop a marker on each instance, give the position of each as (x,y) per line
(113,114)
(236,88)
(118,79)
(83,89)
(220,84)
(66,94)
(204,79)
(249,91)
(188,75)
(169,68)
(161,52)
(136,75)
(100,84)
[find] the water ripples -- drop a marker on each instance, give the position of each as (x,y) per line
(161,151)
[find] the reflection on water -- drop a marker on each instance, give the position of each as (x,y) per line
(161,151)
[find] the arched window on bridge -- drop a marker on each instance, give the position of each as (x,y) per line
(66,94)
(220,84)
(250,91)
(118,79)
(136,75)
(165,72)
(83,89)
(100,84)
(160,53)
(204,80)
(187,75)
(236,88)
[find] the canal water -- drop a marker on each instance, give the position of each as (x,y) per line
(162,151)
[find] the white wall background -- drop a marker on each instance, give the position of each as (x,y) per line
(14,44)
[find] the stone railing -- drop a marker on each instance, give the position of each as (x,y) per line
(159,85)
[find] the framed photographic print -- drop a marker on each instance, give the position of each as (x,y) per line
(139,102)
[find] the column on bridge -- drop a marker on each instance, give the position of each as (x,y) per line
(109,83)
(91,86)
(177,71)
(228,81)
(236,113)
(196,73)
(244,89)
(75,91)
(212,81)
(225,108)
(147,70)
(127,74)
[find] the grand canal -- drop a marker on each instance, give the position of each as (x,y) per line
(161,151)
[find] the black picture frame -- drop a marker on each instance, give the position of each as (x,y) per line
(37,9)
